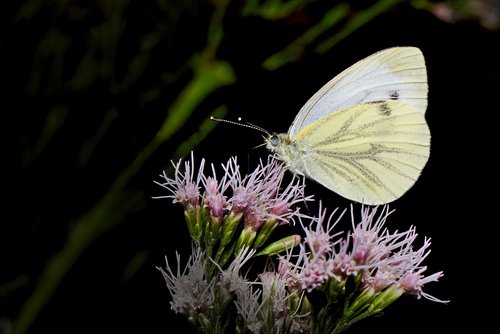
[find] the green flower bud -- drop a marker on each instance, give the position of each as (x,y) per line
(361,302)
(191,216)
(265,232)
(385,298)
(229,227)
(281,245)
(246,238)
(336,289)
(212,232)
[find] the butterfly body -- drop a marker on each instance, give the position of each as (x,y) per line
(363,135)
(292,153)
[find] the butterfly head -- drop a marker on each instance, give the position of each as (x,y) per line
(277,142)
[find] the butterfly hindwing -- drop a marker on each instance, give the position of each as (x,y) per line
(371,153)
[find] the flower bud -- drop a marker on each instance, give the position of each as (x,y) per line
(229,227)
(336,288)
(246,238)
(361,302)
(212,232)
(265,232)
(281,245)
(193,223)
(385,298)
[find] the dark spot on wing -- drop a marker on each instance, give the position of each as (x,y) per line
(394,95)
(383,107)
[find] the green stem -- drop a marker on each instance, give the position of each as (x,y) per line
(294,50)
(108,212)
(356,22)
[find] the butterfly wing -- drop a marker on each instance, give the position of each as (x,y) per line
(392,74)
(370,153)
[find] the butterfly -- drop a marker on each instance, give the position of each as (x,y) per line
(363,135)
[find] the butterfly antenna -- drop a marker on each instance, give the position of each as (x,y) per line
(246,125)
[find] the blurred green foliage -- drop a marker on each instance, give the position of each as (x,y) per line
(99,72)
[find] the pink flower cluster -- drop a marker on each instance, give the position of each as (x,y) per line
(232,207)
(329,283)
(379,258)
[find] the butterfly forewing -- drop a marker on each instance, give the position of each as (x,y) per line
(393,74)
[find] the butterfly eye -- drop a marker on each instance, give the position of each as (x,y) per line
(274,140)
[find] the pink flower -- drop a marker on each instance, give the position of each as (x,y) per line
(319,240)
(333,280)
(214,199)
(234,210)
(314,264)
(259,195)
(384,259)
(184,187)
(343,264)
(412,278)
(315,272)
(371,241)
(191,292)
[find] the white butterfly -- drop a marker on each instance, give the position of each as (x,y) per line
(363,135)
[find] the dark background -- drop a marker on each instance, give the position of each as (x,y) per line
(87,85)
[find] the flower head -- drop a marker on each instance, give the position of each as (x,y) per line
(261,197)
(314,264)
(383,259)
(230,279)
(184,187)
(343,264)
(412,277)
(319,240)
(235,211)
(369,237)
(214,199)
(331,280)
(191,292)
